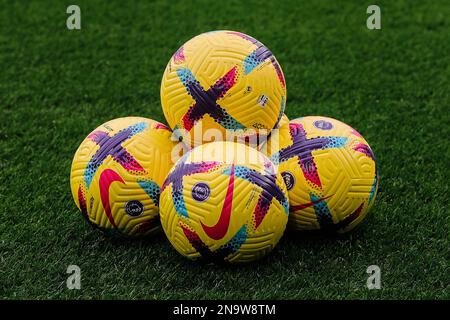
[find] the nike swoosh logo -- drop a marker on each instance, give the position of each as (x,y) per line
(219,230)
(306,205)
(107,177)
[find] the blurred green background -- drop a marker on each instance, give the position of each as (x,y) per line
(392,85)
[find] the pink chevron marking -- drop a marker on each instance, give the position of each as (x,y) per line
(311,174)
(279,73)
(127,161)
(82,203)
(178,56)
(364,149)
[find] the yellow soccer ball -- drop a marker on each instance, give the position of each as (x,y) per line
(117,173)
(219,82)
(329,171)
(274,135)
(224,202)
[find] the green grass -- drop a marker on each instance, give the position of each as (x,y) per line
(392,85)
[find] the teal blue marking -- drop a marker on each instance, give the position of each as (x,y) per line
(335,142)
(322,212)
(151,188)
(236,242)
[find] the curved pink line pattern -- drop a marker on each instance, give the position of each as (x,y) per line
(107,177)
(219,230)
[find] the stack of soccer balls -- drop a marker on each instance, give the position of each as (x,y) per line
(232,171)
